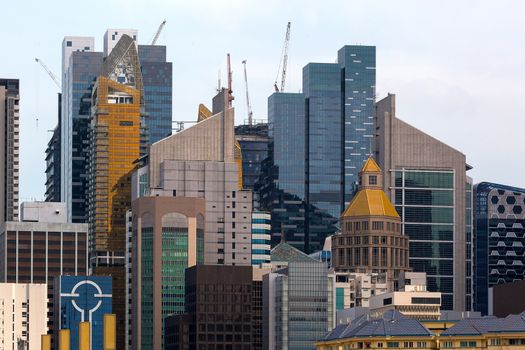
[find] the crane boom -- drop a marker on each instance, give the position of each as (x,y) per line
(156,36)
(283,61)
(53,76)
(248,106)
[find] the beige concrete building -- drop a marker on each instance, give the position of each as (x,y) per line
(414,302)
(9,148)
(200,162)
(168,237)
(426,181)
(23,315)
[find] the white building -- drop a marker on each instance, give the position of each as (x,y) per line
(415,302)
(112,36)
(43,212)
(23,314)
(356,289)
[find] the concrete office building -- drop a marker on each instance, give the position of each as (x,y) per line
(222,308)
(199,162)
(168,237)
(499,233)
(414,302)
(23,315)
(261,239)
(311,174)
(36,252)
(112,37)
(298,300)
(53,159)
(426,181)
(371,240)
(355,289)
(43,212)
(253,140)
(9,148)
(82,299)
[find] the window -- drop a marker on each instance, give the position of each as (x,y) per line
(379,345)
(69,43)
(495,342)
(467,344)
(392,344)
(421,344)
(387,301)
(409,344)
(447,344)
(372,180)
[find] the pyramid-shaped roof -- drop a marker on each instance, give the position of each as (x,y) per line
(370,166)
(370,202)
(285,252)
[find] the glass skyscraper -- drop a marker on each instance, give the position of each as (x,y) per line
(157,80)
(499,232)
(319,139)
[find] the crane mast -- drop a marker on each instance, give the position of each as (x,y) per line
(248,106)
(230,91)
(55,79)
(157,33)
(283,61)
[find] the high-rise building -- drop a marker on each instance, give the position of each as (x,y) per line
(261,239)
(112,36)
(36,251)
(53,161)
(499,233)
(23,315)
(219,304)
(199,162)
(298,300)
(80,67)
(253,140)
(371,240)
(157,80)
(82,299)
(9,148)
(114,146)
(312,173)
(426,181)
(168,237)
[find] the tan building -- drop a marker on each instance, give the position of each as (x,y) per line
(413,302)
(371,238)
(168,237)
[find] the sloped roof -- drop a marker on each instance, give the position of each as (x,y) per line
(285,252)
(393,323)
(370,202)
(484,325)
(370,166)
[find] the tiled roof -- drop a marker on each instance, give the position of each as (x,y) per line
(370,202)
(393,323)
(478,326)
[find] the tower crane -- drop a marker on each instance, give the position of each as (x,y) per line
(283,61)
(53,76)
(157,33)
(230,91)
(248,106)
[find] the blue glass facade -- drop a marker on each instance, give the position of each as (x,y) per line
(157,79)
(319,140)
(78,302)
(499,233)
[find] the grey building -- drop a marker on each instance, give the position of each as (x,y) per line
(426,181)
(499,233)
(311,174)
(199,162)
(298,300)
(9,148)
(53,150)
(253,140)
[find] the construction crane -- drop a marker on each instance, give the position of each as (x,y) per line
(283,61)
(156,36)
(55,79)
(248,106)
(230,91)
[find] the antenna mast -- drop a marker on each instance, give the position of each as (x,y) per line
(230,91)
(248,106)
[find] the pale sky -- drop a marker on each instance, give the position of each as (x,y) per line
(457,67)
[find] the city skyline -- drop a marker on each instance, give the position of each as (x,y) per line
(453,79)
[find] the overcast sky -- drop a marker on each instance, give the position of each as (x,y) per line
(457,67)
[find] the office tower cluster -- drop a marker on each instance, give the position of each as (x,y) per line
(306,231)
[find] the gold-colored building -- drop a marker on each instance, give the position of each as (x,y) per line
(115,140)
(371,238)
(395,331)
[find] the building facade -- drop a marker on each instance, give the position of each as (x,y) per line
(371,240)
(199,162)
(168,237)
(77,300)
(261,239)
(10,148)
(499,232)
(298,300)
(218,307)
(36,252)
(312,173)
(355,289)
(23,315)
(253,140)
(426,181)
(53,161)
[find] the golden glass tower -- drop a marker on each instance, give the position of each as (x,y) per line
(115,141)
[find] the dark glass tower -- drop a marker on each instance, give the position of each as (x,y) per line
(157,80)
(319,139)
(499,233)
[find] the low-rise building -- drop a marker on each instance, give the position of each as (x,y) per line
(415,303)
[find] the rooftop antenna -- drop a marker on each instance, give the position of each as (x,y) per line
(219,82)
(283,236)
